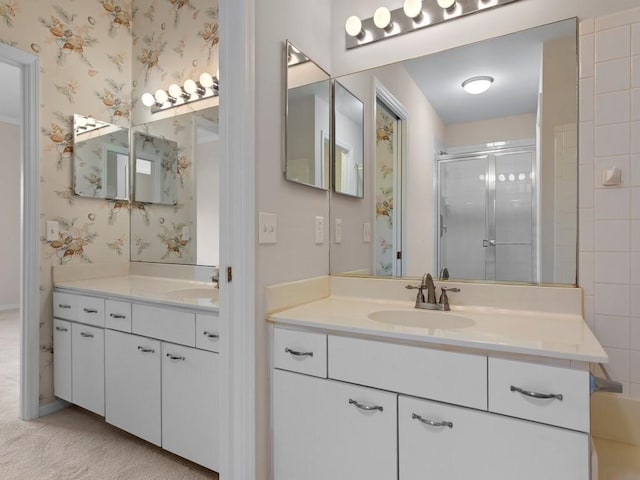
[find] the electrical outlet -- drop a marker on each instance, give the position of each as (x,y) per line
(366,232)
(338,236)
(53,231)
(267,228)
(319,229)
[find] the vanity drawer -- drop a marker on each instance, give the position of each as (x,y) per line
(65,305)
(118,315)
(91,310)
(451,377)
(507,376)
(208,331)
(175,326)
(302,352)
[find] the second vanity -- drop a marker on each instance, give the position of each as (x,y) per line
(142,352)
(370,387)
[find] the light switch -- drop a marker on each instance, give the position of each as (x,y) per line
(185,234)
(338,238)
(53,231)
(366,232)
(267,228)
(319,228)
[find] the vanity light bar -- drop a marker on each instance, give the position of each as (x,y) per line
(413,15)
(176,95)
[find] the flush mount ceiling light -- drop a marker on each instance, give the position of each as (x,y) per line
(175,95)
(413,15)
(477,85)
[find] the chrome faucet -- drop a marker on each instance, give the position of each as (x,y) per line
(429,303)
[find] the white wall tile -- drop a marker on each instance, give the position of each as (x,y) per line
(624,17)
(613,43)
(635,235)
(612,331)
(635,333)
(586,272)
(613,76)
(635,71)
(634,306)
(586,26)
(585,229)
(612,267)
(587,48)
(612,203)
(635,39)
(588,311)
(635,202)
(612,235)
(635,104)
(613,108)
(635,137)
(587,141)
(618,363)
(611,299)
(634,366)
(635,169)
(634,268)
(586,99)
(602,163)
(586,194)
(613,140)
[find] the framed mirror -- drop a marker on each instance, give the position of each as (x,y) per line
(307,117)
(473,187)
(100,159)
(348,165)
(155,163)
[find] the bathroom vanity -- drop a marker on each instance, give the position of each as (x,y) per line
(373,388)
(144,353)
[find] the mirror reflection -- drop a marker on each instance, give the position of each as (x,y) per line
(100,159)
(307,94)
(182,152)
(469,186)
(349,142)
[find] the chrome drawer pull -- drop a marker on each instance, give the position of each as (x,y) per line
(175,357)
(63,305)
(298,354)
(368,408)
(86,335)
(62,329)
(557,396)
(432,423)
(146,350)
(210,335)
(90,310)
(117,315)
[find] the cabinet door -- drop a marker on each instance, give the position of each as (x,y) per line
(466,444)
(322,430)
(62,359)
(132,374)
(87,367)
(190,383)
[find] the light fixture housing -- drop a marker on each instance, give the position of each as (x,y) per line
(477,85)
(353,27)
(412,8)
(446,4)
(175,95)
(382,18)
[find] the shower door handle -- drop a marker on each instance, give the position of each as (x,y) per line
(489,243)
(493,243)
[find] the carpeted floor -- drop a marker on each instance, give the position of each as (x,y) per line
(72,444)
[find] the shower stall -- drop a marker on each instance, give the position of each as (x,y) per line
(487,214)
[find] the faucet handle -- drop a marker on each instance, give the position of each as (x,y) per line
(450,289)
(420,296)
(444,299)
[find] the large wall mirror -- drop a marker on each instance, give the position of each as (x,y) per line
(175,212)
(467,185)
(307,116)
(100,159)
(348,163)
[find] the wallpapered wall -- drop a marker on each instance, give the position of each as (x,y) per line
(93,63)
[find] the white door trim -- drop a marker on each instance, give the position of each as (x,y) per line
(237,240)
(30,231)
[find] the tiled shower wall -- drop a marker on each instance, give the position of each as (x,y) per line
(609,264)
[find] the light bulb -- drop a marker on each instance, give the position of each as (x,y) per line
(190,86)
(353,26)
(446,4)
(412,8)
(382,17)
(206,80)
(147,99)
(175,91)
(477,85)
(161,96)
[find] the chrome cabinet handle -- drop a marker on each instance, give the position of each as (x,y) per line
(295,353)
(146,349)
(432,423)
(63,305)
(210,334)
(175,357)
(62,329)
(90,310)
(528,393)
(86,335)
(361,406)
(117,315)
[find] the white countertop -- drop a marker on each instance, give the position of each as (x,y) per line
(559,336)
(184,293)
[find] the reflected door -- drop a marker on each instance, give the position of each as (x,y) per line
(487,208)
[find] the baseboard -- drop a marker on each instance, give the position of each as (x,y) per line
(616,417)
(9,307)
(53,407)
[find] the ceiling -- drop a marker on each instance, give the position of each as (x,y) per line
(10,93)
(512,60)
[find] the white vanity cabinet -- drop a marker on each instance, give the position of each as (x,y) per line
(62,359)
(87,367)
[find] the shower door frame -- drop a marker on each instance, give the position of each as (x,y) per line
(490,202)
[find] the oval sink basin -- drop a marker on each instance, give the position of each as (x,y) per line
(422,319)
(194,294)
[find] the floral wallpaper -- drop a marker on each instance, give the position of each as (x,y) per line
(96,58)
(385,141)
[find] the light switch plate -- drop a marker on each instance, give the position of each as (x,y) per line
(185,234)
(366,232)
(267,228)
(338,232)
(53,231)
(319,229)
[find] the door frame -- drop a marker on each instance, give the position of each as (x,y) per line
(29,66)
